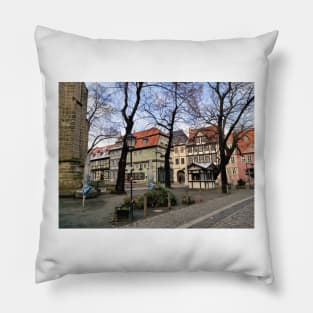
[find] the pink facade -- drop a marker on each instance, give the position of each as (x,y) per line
(241,164)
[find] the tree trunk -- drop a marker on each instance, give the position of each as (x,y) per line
(224,178)
(223,164)
(167,167)
(120,181)
(129,120)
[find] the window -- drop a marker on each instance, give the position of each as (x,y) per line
(195,159)
(182,161)
(213,147)
(200,148)
(138,176)
(190,160)
(198,139)
(234,170)
(249,157)
(214,158)
(145,140)
(232,159)
(189,149)
(201,158)
(245,138)
(176,161)
(204,139)
(206,147)
(176,150)
(195,150)
(182,149)
(195,176)
(243,159)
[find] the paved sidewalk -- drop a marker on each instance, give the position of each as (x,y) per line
(238,215)
(243,218)
(189,216)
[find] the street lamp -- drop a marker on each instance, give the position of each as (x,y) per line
(131,143)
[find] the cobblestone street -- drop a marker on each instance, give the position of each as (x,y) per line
(243,218)
(98,212)
(217,212)
(238,216)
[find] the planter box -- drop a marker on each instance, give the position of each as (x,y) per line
(121,214)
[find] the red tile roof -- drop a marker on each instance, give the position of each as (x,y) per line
(148,138)
(210,132)
(246,141)
(102,149)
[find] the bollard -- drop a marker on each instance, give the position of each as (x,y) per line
(145,206)
(84,201)
(168,201)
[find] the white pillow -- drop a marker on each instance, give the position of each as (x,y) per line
(69,58)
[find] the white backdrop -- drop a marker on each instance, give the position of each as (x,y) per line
(288,150)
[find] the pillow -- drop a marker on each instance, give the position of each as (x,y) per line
(213,217)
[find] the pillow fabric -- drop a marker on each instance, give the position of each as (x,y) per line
(70,58)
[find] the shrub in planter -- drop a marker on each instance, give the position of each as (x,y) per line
(155,198)
(158,197)
(138,202)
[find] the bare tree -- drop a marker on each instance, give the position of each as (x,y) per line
(165,108)
(99,114)
(132,96)
(229,108)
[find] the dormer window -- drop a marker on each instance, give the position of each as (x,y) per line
(145,140)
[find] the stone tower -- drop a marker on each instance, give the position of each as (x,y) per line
(73,135)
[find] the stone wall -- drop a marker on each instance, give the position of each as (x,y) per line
(73,135)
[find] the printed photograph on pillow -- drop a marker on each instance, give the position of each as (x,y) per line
(156,154)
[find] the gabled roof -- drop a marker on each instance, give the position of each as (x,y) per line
(179,137)
(246,142)
(205,165)
(210,132)
(100,152)
(145,139)
(148,138)
(116,146)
